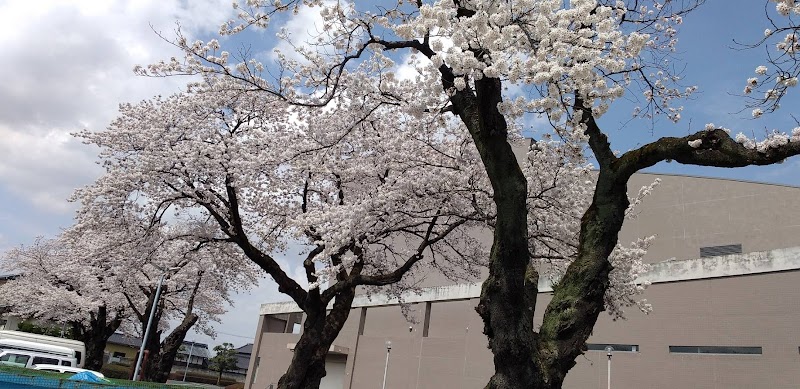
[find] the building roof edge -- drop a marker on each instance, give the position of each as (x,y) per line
(760,262)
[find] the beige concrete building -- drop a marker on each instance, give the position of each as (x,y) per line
(726,308)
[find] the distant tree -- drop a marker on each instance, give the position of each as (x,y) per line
(199,277)
(101,275)
(62,284)
(225,360)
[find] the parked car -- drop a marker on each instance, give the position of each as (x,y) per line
(66,369)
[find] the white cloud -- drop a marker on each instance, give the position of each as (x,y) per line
(67,65)
(44,167)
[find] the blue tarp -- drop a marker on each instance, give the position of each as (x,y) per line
(85,376)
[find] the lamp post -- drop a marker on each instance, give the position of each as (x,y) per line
(150,321)
(609,350)
(185,369)
(386,366)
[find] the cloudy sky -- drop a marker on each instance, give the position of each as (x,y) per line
(67,64)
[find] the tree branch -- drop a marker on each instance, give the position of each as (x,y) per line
(285,283)
(598,141)
(717,149)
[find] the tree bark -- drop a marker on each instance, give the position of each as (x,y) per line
(506,312)
(308,362)
(162,355)
(319,331)
(578,298)
(95,336)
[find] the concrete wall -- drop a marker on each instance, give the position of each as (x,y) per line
(686,213)
(270,360)
(758,310)
(734,311)
(335,367)
(752,310)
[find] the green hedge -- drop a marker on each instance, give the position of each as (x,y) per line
(111,370)
(201,378)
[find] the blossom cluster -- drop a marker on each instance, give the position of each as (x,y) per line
(597,50)
(780,75)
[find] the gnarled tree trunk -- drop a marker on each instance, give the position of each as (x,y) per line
(319,331)
(162,355)
(94,336)
(524,358)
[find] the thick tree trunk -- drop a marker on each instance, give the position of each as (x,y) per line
(507,313)
(578,298)
(508,295)
(522,357)
(319,332)
(94,352)
(95,337)
(308,363)
(162,355)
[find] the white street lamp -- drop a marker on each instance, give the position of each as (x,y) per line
(609,350)
(185,369)
(386,366)
(150,321)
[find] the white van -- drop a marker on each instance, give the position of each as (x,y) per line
(27,359)
(76,345)
(24,345)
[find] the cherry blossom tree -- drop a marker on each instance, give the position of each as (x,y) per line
(59,283)
(487,68)
(368,199)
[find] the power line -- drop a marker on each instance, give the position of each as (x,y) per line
(238,336)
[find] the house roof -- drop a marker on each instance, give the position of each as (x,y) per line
(243,356)
(246,349)
(124,340)
(199,350)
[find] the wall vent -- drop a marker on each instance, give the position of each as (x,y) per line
(715,350)
(715,251)
(617,347)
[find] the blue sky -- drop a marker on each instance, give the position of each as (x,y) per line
(719,67)
(68,65)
